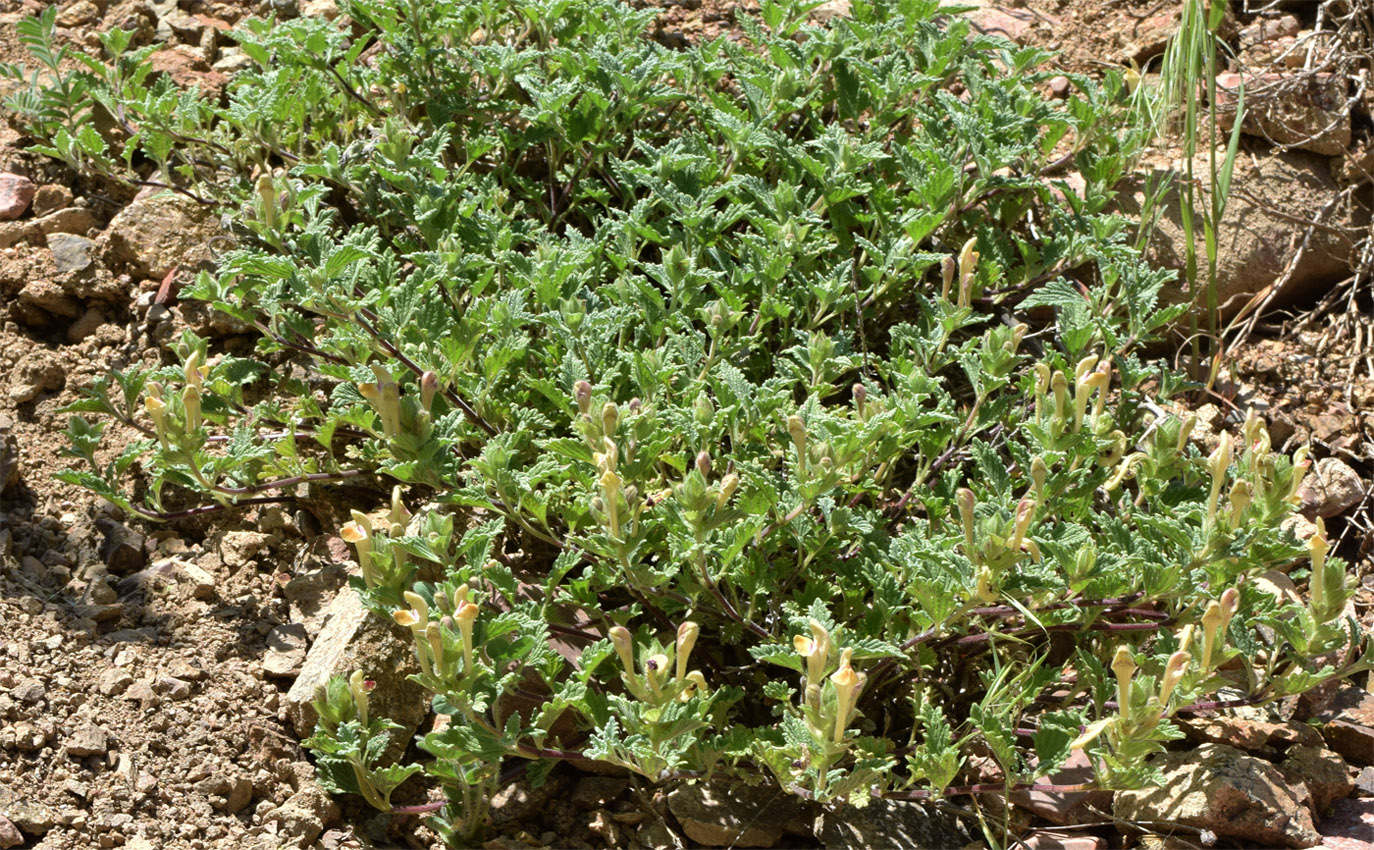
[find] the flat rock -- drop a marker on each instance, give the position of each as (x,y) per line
(1222,789)
(286,646)
(71,253)
(352,638)
(16,193)
(1060,807)
(889,823)
(736,815)
(1350,826)
(22,810)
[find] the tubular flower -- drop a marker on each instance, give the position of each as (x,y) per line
(1123,665)
(466,616)
(1173,674)
(359,534)
(847,685)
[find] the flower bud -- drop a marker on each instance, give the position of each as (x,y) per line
(357,687)
(703,464)
(635,406)
(399,517)
(946,276)
(1173,673)
(429,385)
(686,639)
(624,647)
(610,418)
(1025,512)
(582,394)
(1039,472)
(967,501)
(860,397)
(157,409)
(1185,431)
(703,411)
(728,485)
(435,638)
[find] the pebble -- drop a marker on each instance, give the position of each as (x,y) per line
(16,192)
(88,741)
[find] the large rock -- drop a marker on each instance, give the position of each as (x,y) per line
(1348,723)
(354,639)
(1272,195)
(737,816)
(1330,488)
(1307,111)
(890,823)
(1065,807)
(1220,788)
(1325,774)
(159,232)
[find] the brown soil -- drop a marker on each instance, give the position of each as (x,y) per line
(134,707)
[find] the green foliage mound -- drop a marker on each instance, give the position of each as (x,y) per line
(764,409)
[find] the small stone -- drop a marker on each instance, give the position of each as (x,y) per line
(16,192)
(50,198)
(37,372)
(123,548)
(1348,724)
(174,688)
(1364,783)
(79,14)
(202,584)
(29,690)
(1330,488)
(1043,839)
(88,741)
(1059,87)
(89,322)
(9,834)
(1061,807)
(304,815)
(239,796)
(114,682)
(239,547)
(598,792)
(70,253)
(286,650)
(353,639)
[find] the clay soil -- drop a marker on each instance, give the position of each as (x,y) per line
(135,707)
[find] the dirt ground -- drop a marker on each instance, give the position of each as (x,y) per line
(138,707)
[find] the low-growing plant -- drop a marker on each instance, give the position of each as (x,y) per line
(766,409)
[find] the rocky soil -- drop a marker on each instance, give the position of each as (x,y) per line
(154,681)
